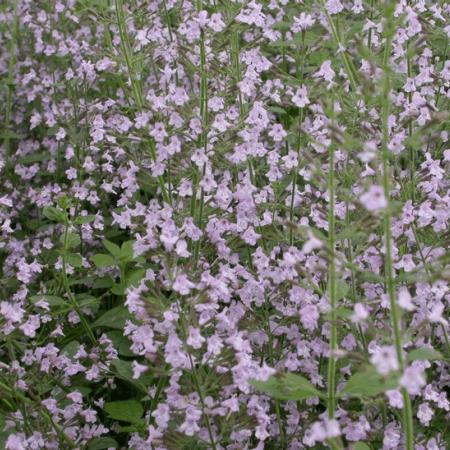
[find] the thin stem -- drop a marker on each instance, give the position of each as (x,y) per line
(196,381)
(348,64)
(332,289)
(10,81)
(69,293)
(389,272)
(136,87)
(204,135)
(294,178)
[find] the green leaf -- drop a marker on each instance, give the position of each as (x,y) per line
(289,386)
(71,240)
(74,259)
(360,446)
(112,248)
(102,283)
(124,370)
(135,277)
(126,251)
(52,300)
(367,383)
(55,214)
(342,289)
(341,313)
(85,299)
(81,220)
(103,260)
(424,353)
(102,443)
(121,343)
(71,349)
(125,410)
(114,318)
(277,110)
(118,289)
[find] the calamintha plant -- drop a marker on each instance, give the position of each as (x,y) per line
(224,224)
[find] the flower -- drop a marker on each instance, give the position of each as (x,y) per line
(384,359)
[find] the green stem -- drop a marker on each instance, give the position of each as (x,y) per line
(71,296)
(196,381)
(389,272)
(136,87)
(348,64)
(204,135)
(299,141)
(332,289)
(10,82)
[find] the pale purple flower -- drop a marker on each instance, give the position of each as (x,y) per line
(384,359)
(374,199)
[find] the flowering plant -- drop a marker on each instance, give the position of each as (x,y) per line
(224,224)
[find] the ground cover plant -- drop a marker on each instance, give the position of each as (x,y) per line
(224,224)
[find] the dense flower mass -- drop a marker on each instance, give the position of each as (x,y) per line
(224,224)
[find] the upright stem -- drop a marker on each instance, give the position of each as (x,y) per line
(301,114)
(389,273)
(203,142)
(196,381)
(332,290)
(10,81)
(136,86)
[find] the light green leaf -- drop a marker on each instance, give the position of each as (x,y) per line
(81,220)
(103,260)
(368,383)
(289,386)
(125,410)
(112,248)
(126,251)
(55,214)
(74,259)
(71,240)
(424,353)
(360,446)
(135,277)
(342,289)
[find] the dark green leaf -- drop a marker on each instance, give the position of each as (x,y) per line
(114,318)
(118,289)
(71,348)
(102,283)
(52,300)
(289,386)
(102,443)
(124,370)
(125,410)
(121,343)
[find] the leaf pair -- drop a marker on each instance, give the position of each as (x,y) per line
(290,386)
